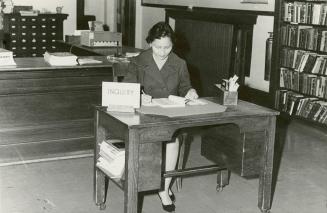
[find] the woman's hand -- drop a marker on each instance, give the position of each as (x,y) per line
(191,94)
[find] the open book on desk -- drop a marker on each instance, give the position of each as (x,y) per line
(175,101)
(204,107)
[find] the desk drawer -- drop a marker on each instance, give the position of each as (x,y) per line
(241,154)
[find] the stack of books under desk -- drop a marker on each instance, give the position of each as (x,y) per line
(111,158)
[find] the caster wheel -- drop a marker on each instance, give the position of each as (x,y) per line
(266,211)
(219,188)
(102,206)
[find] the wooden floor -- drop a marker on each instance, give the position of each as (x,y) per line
(65,186)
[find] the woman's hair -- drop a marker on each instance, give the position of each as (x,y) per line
(159,30)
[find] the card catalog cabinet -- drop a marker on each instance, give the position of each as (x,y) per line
(31,36)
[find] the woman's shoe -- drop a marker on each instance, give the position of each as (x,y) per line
(169,207)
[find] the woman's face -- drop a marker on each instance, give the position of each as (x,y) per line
(162,47)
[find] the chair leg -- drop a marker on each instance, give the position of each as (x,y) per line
(180,161)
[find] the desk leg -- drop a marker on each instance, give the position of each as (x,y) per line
(99,178)
(100,189)
(265,179)
(131,173)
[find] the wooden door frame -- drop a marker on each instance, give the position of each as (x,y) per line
(127,21)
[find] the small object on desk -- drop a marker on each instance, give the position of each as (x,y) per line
(6,58)
(101,38)
(115,59)
(146,99)
(226,97)
(121,97)
(227,91)
(73,39)
(176,101)
(129,54)
(82,61)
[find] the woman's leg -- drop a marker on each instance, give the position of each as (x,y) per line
(172,150)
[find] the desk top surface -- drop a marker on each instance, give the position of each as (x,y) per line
(38,63)
(242,110)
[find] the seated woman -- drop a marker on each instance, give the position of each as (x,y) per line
(162,73)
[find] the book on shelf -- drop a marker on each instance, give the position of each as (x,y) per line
(60,58)
(175,101)
(6,58)
(112,157)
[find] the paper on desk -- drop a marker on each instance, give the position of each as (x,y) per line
(210,107)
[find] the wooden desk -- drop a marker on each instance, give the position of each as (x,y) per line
(46,112)
(144,134)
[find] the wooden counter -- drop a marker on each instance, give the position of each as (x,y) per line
(82,50)
(46,112)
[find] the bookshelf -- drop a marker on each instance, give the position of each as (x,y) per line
(301,60)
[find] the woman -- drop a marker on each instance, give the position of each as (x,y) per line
(162,73)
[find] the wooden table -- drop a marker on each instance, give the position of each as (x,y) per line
(144,135)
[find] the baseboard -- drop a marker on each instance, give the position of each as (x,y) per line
(46,151)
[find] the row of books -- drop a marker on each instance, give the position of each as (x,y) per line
(305,12)
(296,104)
(304,61)
(111,158)
(307,84)
(305,37)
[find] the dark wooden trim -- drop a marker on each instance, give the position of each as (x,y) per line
(274,76)
(81,18)
(128,28)
(221,16)
(214,10)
